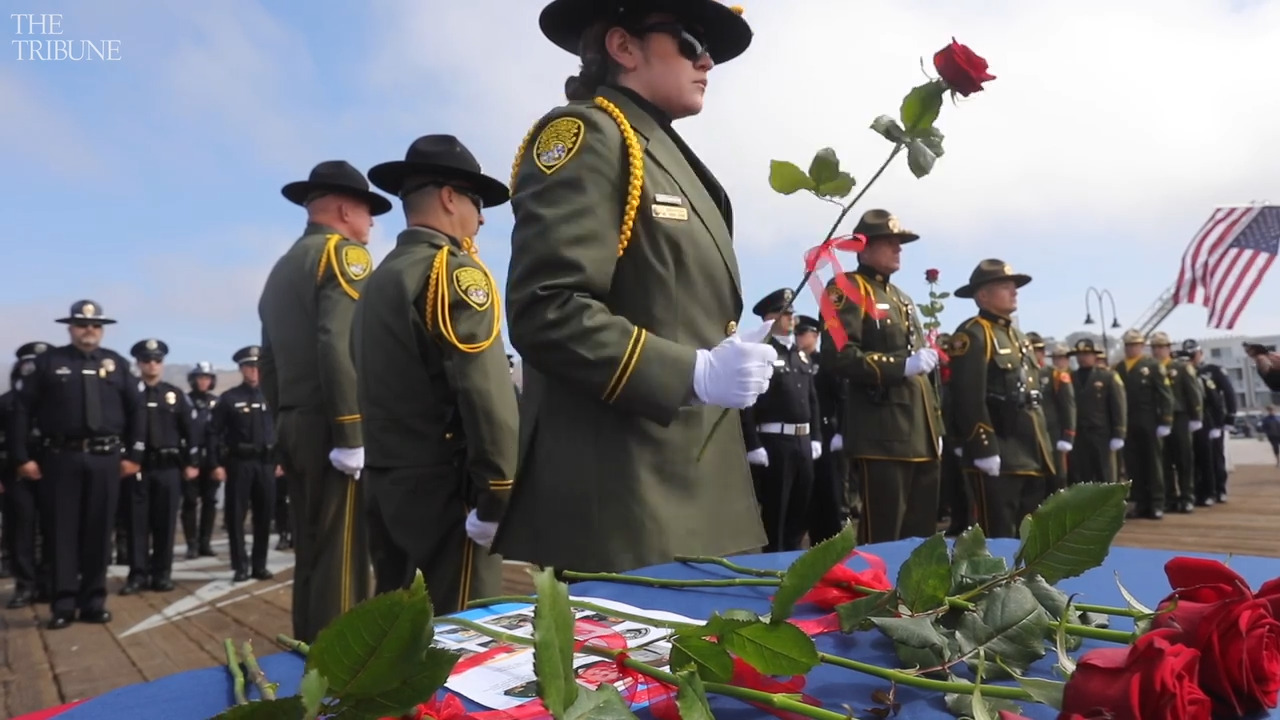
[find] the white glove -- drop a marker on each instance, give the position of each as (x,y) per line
(817,448)
(921,361)
(939,446)
(1163,431)
(1064,446)
(349,461)
(480,532)
(959,452)
(1195,425)
(734,373)
(837,442)
(1215,433)
(988,465)
(758,457)
(1116,444)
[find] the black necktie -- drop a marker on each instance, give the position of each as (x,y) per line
(155,439)
(256,422)
(92,397)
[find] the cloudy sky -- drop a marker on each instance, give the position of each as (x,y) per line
(151,184)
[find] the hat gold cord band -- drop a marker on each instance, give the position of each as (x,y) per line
(635,156)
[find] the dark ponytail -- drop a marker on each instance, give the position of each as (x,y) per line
(597,67)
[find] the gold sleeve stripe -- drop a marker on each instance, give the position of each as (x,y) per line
(329,259)
(635,169)
(436,306)
(347,418)
(501,484)
(626,366)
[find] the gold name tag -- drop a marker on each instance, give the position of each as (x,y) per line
(667,212)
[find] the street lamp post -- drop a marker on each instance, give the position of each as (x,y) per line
(1093,292)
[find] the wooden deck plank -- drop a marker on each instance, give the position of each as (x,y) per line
(157,634)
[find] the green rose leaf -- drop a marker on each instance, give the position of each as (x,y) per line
(808,569)
(603,703)
(312,691)
(1071,532)
(932,139)
(919,158)
(942,295)
(925,578)
(824,167)
(553,645)
(781,649)
(710,660)
(1009,625)
(840,187)
(921,106)
(691,697)
(374,647)
(918,640)
(787,178)
(286,708)
(963,706)
(856,612)
(973,565)
(889,129)
(421,679)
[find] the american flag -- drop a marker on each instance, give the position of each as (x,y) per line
(1227,259)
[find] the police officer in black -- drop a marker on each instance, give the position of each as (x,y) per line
(1209,442)
(171,457)
(22,497)
(783,431)
(201,494)
(90,415)
(245,438)
(829,502)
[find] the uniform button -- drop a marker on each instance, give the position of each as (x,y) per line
(731,328)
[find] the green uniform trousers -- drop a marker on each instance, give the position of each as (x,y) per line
(1061,471)
(1000,503)
(1144,465)
(899,499)
(1179,462)
(417,521)
(332,567)
(1091,458)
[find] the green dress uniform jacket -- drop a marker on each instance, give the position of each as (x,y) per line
(1059,405)
(996,396)
(309,380)
(1179,450)
(894,422)
(434,388)
(622,263)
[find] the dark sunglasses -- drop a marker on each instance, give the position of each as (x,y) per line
(474,198)
(90,326)
(691,46)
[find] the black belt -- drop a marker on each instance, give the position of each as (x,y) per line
(162,458)
(247,451)
(104,445)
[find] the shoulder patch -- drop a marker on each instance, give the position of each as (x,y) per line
(836,296)
(356,261)
(1191,369)
(960,344)
(474,287)
(557,143)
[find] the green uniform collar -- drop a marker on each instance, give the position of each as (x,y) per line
(315,228)
(995,318)
(429,235)
(873,274)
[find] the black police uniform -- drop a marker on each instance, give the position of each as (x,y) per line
(1218,445)
(1211,452)
(90,414)
(23,499)
(200,496)
(829,507)
(156,496)
(784,422)
(245,442)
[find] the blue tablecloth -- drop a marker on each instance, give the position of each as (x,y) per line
(201,694)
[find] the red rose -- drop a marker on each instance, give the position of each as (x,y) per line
(1235,632)
(1155,679)
(931,276)
(962,69)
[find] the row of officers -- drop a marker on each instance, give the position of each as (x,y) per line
(92,451)
(903,428)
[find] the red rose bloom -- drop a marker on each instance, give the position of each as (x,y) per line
(1236,633)
(1155,679)
(931,276)
(963,70)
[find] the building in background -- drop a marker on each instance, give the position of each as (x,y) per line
(1252,395)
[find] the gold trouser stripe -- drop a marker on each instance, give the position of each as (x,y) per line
(348,535)
(464,587)
(864,526)
(980,498)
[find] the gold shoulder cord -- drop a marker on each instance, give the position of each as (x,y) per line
(436,306)
(329,258)
(635,157)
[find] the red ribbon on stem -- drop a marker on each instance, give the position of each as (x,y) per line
(816,258)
